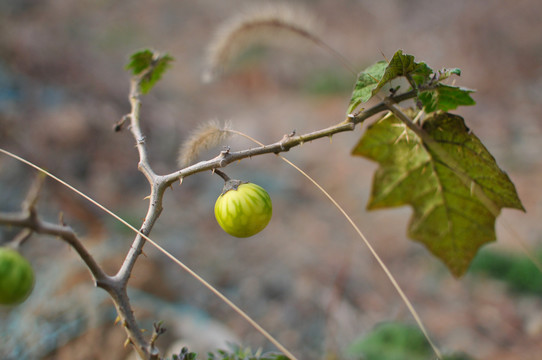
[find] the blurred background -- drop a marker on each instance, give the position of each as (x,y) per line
(307,278)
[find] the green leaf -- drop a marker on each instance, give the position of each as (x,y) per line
(149,66)
(446,73)
(239,353)
(454,185)
(391,341)
(422,74)
(394,341)
(140,61)
(403,65)
(368,79)
(371,80)
(445,98)
(519,272)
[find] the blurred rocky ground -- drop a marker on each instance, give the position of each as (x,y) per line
(307,278)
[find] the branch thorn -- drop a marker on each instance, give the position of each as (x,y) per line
(285,138)
(223,154)
(119,124)
(33,192)
(226,151)
(20,238)
(61,219)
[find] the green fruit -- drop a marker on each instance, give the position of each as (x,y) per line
(16,277)
(243,209)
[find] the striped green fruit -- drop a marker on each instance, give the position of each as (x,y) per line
(243,210)
(16,277)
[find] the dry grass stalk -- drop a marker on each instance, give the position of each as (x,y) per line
(267,24)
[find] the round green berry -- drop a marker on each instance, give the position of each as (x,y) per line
(244,210)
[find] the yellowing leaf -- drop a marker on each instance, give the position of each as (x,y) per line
(453,184)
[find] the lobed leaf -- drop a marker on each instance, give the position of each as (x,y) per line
(403,65)
(439,97)
(371,80)
(450,217)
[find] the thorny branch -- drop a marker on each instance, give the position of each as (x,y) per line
(28,219)
(116,285)
(286,143)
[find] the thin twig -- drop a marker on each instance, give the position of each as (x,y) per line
(221,174)
(21,237)
(28,219)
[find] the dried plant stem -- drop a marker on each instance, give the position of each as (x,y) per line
(270,23)
(388,273)
(523,246)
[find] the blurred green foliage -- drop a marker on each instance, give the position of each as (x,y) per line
(235,353)
(517,271)
(392,341)
(396,341)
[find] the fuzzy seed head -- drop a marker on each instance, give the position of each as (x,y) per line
(268,24)
(203,138)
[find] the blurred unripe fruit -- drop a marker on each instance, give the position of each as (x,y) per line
(16,277)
